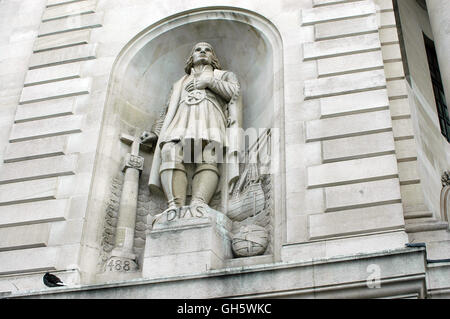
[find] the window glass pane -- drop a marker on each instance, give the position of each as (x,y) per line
(438,87)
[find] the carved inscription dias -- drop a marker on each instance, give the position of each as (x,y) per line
(180,213)
(185,212)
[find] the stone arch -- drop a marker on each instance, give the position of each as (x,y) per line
(239,37)
(246,43)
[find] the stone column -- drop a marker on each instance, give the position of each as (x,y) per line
(439,13)
(122,257)
(128,204)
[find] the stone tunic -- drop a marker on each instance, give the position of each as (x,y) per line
(202,114)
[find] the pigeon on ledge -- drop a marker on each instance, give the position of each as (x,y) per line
(52,281)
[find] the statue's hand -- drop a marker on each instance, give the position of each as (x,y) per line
(199,83)
(230,122)
(203,83)
(148,137)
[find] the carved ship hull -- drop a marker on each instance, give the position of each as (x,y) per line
(249,203)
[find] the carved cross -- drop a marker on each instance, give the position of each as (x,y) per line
(133,160)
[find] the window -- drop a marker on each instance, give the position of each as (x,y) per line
(438,88)
(422,4)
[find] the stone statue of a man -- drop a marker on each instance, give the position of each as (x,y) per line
(202,117)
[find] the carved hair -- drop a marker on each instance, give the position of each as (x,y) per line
(190,61)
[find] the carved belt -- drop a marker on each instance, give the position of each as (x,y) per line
(195,97)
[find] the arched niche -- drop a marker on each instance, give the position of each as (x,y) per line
(151,63)
(144,71)
(240,48)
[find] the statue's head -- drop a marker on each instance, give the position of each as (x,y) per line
(202,53)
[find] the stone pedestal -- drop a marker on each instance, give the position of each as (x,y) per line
(187,241)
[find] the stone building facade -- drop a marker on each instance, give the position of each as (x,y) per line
(350,190)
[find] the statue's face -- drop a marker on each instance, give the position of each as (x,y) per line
(202,54)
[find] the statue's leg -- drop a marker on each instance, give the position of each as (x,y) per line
(173,174)
(206,178)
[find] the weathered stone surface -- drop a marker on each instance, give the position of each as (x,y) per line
(23,237)
(43,147)
(391,52)
(34,259)
(354,103)
(397,89)
(337,12)
(53,73)
(43,110)
(335,47)
(64,55)
(405,150)
(69,9)
(352,171)
(85,21)
(356,221)
(402,129)
(343,84)
(66,232)
(171,250)
(318,3)
(58,41)
(55,90)
(187,263)
(350,125)
(38,168)
(386,19)
(408,173)
(388,36)
(29,191)
(35,212)
(412,197)
(348,64)
(394,71)
(46,128)
(345,247)
(51,3)
(362,195)
(399,109)
(345,28)
(383,5)
(358,146)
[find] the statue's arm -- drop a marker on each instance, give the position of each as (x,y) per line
(227,87)
(156,127)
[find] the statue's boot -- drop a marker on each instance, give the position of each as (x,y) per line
(174,183)
(204,184)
